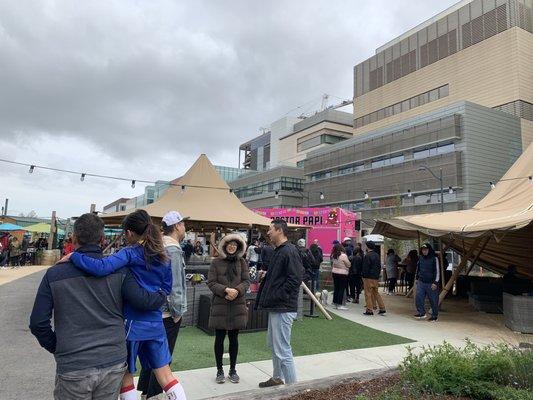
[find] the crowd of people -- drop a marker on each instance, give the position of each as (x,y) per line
(133,310)
(15,252)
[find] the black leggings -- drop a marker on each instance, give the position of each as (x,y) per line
(392,284)
(339,287)
(233,346)
(355,284)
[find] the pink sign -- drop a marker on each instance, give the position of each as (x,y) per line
(328,224)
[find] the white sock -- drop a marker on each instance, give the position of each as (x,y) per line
(175,391)
(129,394)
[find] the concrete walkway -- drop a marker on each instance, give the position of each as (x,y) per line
(10,274)
(457,322)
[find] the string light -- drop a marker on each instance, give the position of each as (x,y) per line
(321,196)
(133,184)
(182,189)
(276,194)
(492,185)
(82,177)
(32,167)
(366,196)
(409,194)
(450,190)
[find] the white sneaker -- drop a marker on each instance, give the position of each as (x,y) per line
(342,308)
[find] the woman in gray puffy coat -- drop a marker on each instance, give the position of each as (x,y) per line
(228,279)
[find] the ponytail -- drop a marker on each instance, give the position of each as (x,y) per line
(140,222)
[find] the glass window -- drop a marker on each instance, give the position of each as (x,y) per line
(373,117)
(434,95)
(447,148)
(423,98)
(366,119)
(397,159)
(397,108)
(413,102)
(405,105)
(388,111)
(421,154)
(381,114)
(378,163)
(443,91)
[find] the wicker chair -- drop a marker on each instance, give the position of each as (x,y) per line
(518,312)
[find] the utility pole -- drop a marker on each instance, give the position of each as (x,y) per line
(5,207)
(93,209)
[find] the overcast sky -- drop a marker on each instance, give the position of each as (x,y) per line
(140,88)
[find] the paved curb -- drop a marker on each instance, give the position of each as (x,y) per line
(282,392)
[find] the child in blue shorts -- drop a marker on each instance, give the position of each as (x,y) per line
(145,333)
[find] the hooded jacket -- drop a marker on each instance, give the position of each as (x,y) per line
(226,314)
(176,304)
(281,285)
(428,267)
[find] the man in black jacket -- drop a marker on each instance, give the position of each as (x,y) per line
(88,340)
(278,294)
(371,272)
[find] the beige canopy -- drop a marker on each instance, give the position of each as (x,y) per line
(203,196)
(499,228)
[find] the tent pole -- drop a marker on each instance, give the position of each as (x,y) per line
(441,262)
(458,270)
(478,255)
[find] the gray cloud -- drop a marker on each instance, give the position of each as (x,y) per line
(143,83)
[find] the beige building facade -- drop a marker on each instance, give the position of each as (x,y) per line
(481,52)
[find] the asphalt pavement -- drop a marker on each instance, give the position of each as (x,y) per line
(27,370)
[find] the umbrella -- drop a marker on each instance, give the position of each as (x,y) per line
(42,227)
(7,227)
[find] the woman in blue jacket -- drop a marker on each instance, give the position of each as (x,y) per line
(145,332)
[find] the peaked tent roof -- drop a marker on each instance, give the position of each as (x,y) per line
(505,214)
(207,200)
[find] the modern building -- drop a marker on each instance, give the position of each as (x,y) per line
(116,206)
(479,51)
(277,187)
(278,157)
(386,172)
(290,138)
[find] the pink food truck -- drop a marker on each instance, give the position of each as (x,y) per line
(327,223)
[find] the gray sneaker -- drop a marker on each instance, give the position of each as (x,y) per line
(233,377)
(220,376)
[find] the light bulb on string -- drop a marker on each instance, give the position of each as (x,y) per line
(321,196)
(32,167)
(409,194)
(82,177)
(133,184)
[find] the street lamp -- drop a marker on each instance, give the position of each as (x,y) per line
(439,178)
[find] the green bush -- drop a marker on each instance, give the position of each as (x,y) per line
(498,372)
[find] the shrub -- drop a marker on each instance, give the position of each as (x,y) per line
(499,372)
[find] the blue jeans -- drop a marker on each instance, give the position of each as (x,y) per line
(423,290)
(279,339)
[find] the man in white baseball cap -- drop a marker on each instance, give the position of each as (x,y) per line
(173,227)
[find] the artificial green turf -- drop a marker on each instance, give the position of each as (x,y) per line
(194,348)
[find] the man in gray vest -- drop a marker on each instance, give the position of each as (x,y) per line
(427,283)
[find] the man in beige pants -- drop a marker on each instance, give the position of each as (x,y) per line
(371,271)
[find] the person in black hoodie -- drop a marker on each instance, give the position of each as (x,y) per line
(355,275)
(371,271)
(278,294)
(427,283)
